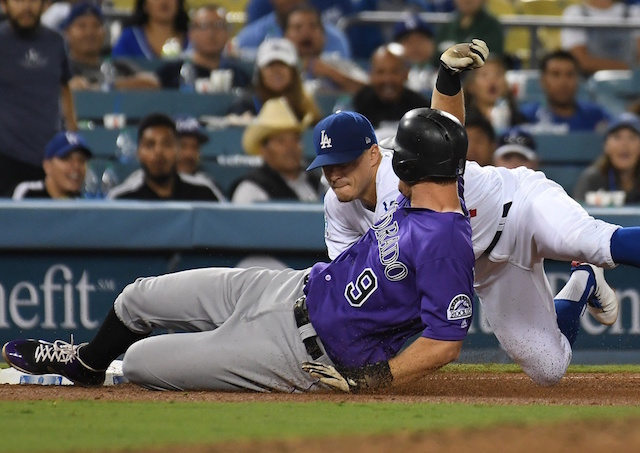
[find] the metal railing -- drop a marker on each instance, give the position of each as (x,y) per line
(530,22)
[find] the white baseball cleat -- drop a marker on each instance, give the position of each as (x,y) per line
(603,304)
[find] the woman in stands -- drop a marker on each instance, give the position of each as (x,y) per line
(487,92)
(618,169)
(158,28)
(277,74)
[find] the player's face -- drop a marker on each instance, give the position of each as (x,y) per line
(283,153)
(65,175)
(560,82)
(481,147)
(188,155)
(353,180)
(276,76)
(622,146)
(208,32)
(24,15)
(388,76)
(85,35)
(418,47)
(305,32)
(158,153)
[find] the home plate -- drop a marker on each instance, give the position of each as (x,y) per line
(113,376)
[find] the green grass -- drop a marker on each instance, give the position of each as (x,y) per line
(58,426)
(512,368)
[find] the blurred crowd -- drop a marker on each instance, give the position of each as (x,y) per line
(276,62)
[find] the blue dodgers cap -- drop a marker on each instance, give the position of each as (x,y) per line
(80,9)
(625,119)
(191,126)
(340,138)
(411,23)
(63,143)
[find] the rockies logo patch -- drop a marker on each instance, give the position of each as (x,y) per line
(460,307)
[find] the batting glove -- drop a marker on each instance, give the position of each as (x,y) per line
(351,380)
(464,56)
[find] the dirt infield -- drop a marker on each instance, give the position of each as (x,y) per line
(593,389)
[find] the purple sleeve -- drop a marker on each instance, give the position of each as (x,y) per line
(447,294)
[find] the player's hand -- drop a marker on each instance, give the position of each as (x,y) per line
(352,380)
(464,56)
(328,375)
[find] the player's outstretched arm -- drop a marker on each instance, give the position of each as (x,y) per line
(447,95)
(422,357)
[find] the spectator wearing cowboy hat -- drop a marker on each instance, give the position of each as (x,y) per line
(275,136)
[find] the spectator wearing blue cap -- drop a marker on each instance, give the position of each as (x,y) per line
(618,168)
(85,35)
(65,166)
(417,38)
(516,148)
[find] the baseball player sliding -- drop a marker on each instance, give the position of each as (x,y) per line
(339,325)
(518,218)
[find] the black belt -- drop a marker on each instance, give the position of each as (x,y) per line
(301,314)
(496,238)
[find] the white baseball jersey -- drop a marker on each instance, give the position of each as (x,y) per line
(536,219)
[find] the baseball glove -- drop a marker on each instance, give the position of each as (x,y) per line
(351,380)
(464,56)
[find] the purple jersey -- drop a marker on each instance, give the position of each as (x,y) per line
(411,273)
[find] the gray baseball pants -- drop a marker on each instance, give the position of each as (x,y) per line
(238,324)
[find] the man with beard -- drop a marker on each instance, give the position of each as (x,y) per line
(34,75)
(325,70)
(386,98)
(562,111)
(158,155)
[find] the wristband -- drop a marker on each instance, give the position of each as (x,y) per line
(448,83)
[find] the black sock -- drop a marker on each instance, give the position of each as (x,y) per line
(113,338)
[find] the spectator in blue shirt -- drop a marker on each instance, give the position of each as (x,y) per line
(563,111)
(249,38)
(155,30)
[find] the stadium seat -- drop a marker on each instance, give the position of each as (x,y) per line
(615,89)
(565,175)
(93,105)
(575,148)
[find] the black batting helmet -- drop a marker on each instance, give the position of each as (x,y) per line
(428,143)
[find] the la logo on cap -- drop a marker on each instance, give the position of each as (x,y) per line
(325,141)
(72,138)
